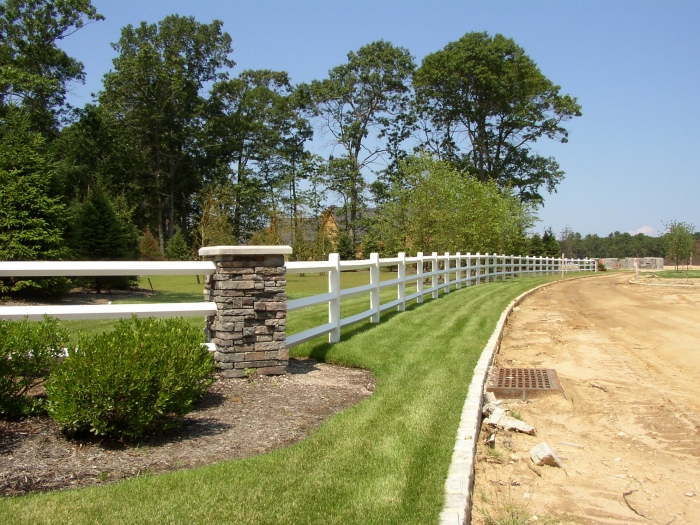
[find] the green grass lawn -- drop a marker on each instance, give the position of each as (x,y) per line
(383,461)
(680,274)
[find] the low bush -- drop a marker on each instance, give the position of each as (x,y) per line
(28,350)
(132,381)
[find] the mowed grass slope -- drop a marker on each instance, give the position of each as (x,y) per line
(383,461)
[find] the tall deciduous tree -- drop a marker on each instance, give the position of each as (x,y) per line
(155,94)
(484,103)
(680,242)
(356,105)
(34,72)
(438,208)
(255,134)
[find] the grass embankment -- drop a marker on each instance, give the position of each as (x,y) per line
(680,274)
(383,461)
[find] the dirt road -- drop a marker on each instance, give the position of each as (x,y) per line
(628,435)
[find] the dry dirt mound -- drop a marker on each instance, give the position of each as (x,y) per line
(629,433)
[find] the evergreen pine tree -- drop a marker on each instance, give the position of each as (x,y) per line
(345,247)
(149,250)
(550,243)
(176,248)
(32,216)
(99,234)
(536,245)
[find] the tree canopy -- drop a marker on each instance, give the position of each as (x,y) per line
(177,145)
(484,103)
(356,106)
(440,209)
(35,72)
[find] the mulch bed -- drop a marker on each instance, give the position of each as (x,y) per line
(235,419)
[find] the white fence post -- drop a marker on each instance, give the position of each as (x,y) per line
(458,270)
(436,280)
(402,285)
(334,304)
(487,267)
(447,272)
(419,281)
(374,294)
(468,270)
(478,268)
(562,265)
(527,265)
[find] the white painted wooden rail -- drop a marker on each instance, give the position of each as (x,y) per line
(446,272)
(106,268)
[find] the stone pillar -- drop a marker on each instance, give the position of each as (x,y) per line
(249,329)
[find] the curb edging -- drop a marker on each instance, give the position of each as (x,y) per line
(459,484)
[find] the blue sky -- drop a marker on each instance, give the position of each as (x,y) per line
(632,160)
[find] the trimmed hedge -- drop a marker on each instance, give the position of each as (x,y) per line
(28,350)
(132,381)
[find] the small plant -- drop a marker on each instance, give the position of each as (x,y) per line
(515,414)
(494,452)
(28,350)
(131,381)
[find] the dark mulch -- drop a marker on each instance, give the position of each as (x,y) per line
(235,419)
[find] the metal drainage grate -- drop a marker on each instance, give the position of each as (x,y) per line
(522,381)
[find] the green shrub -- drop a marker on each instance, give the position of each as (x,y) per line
(131,381)
(27,351)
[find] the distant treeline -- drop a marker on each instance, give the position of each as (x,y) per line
(616,244)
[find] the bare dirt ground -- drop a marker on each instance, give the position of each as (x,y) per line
(628,357)
(235,419)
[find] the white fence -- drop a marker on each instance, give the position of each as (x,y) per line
(106,268)
(446,271)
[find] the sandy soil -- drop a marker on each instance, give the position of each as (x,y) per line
(628,357)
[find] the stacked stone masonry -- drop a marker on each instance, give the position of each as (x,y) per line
(250,325)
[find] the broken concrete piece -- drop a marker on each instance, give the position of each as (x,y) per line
(543,455)
(515,425)
(496,415)
(491,441)
(490,407)
(489,397)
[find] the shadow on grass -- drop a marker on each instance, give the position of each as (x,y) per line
(320,350)
(166,297)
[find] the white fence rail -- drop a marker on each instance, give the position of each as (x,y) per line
(106,268)
(446,272)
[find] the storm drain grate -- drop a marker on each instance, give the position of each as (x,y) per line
(522,381)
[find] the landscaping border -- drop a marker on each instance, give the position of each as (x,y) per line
(460,477)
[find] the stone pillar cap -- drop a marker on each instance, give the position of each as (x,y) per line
(244,250)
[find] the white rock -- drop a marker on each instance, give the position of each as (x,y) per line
(510,423)
(489,397)
(543,455)
(490,407)
(496,416)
